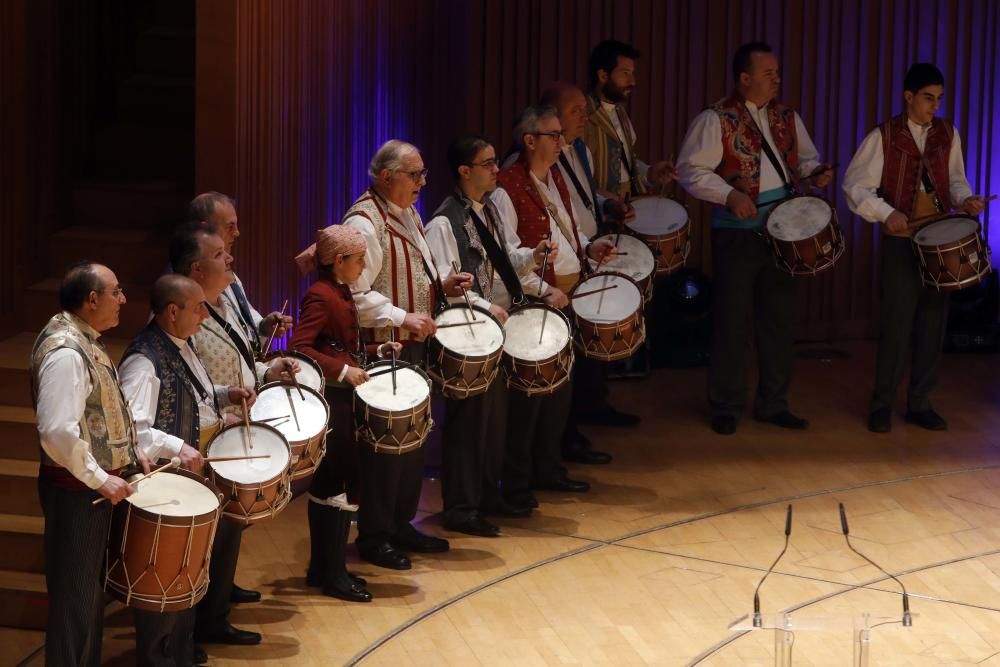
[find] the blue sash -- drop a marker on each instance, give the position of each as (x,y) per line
(723,218)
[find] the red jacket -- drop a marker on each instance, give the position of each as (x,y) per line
(327,330)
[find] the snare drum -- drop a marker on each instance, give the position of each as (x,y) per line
(609,324)
(160,542)
(393,422)
(303,418)
(310,374)
(464,360)
(805,236)
(663,224)
(537,359)
(951,253)
(639,264)
(255,489)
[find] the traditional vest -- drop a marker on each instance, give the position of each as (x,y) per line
(177,406)
(223,360)
(741,143)
(532,216)
(106,423)
(402,276)
(904,164)
(608,149)
(471,253)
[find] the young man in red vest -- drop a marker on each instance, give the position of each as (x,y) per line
(741,154)
(909,167)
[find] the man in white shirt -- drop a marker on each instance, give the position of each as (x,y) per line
(909,167)
(609,133)
(740,154)
(88,444)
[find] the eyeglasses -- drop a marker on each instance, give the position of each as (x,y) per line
(116,292)
(486,164)
(556,136)
(416,175)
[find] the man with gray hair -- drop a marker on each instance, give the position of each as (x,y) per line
(397,292)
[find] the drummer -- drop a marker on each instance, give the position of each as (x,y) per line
(329,333)
(466,230)
(172,422)
(224,346)
(539,202)
(88,442)
(740,153)
(396,293)
(909,167)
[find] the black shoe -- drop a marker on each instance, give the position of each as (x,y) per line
(228,635)
(586,456)
(724,424)
(348,592)
(413,540)
(199,657)
(507,509)
(608,415)
(927,419)
(386,555)
(360,581)
(473,525)
(565,484)
(785,419)
(880,421)
(241,595)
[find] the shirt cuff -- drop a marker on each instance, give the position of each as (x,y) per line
(397,316)
(97,479)
(171,447)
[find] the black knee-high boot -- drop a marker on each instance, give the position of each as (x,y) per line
(336,580)
(317,557)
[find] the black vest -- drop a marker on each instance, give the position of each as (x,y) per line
(457,213)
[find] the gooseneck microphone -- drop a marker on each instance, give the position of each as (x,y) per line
(907,618)
(758,621)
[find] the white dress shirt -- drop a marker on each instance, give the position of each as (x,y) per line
(566,262)
(864,175)
(628,141)
(63,387)
(584,217)
(141,387)
(530,283)
(375,309)
(702,154)
(444,248)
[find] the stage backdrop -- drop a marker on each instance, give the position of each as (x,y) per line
(294,97)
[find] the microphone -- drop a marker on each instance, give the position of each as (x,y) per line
(758,621)
(907,618)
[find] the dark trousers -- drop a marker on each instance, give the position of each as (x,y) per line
(164,639)
(76,534)
(213,610)
(338,471)
(912,323)
(753,298)
(472,449)
(590,393)
(535,426)
(390,484)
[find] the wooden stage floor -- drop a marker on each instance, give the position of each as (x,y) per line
(652,565)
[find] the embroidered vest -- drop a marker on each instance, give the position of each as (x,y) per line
(177,407)
(741,143)
(106,423)
(901,173)
(608,149)
(402,276)
(471,254)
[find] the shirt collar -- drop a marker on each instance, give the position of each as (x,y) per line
(179,342)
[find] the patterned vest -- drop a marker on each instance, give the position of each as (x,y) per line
(901,173)
(471,254)
(402,276)
(608,149)
(741,143)
(177,407)
(106,423)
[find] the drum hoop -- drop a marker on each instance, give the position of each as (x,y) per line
(978,231)
(434,342)
(177,521)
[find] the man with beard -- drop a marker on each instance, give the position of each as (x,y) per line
(467,231)
(609,133)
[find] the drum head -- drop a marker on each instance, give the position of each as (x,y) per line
(173,495)
(523,328)
(478,340)
(233,441)
(310,374)
(946,231)
(657,216)
(799,218)
(638,264)
(411,390)
(612,305)
(307,414)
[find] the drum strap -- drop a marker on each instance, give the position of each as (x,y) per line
(241,347)
(929,189)
(564,161)
(203,391)
(498,256)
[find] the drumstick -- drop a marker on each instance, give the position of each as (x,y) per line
(604,288)
(360,292)
(173,463)
(593,291)
(392,339)
(820,173)
(291,404)
(246,421)
(220,459)
(468,301)
(460,324)
(270,338)
(545,264)
(272,419)
(932,216)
